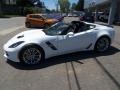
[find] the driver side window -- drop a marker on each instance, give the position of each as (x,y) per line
(86,27)
(66,31)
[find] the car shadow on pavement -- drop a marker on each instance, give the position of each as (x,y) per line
(76,57)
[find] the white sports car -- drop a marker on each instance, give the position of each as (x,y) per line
(33,46)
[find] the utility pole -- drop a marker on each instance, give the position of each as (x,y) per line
(112,11)
(57,5)
(96,12)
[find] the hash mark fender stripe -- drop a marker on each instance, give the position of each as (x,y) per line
(51,45)
(89,46)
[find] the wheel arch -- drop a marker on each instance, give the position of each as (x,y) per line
(31,44)
(107,36)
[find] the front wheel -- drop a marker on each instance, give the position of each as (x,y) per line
(31,55)
(102,44)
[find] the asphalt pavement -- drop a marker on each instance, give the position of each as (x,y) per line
(11,23)
(76,71)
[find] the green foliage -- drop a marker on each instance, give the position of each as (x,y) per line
(73,6)
(53,10)
(80,5)
(28,10)
(24,3)
(64,5)
(31,10)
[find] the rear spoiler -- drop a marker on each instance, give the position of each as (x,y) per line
(107,25)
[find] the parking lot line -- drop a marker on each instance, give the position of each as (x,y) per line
(7,31)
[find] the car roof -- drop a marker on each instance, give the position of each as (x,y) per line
(35,14)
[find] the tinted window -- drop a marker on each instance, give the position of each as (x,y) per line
(35,16)
(56,29)
(47,16)
(86,27)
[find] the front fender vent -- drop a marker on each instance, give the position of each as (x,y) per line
(21,36)
(49,44)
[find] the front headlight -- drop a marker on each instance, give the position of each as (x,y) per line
(16,44)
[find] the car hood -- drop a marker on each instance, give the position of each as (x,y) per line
(30,35)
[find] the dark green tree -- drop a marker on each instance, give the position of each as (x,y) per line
(80,5)
(24,3)
(29,3)
(64,5)
(53,10)
(1,7)
(73,6)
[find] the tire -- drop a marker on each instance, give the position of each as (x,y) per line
(31,55)
(104,46)
(27,24)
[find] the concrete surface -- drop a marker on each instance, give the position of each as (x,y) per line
(9,23)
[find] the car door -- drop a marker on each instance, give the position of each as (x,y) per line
(37,20)
(75,42)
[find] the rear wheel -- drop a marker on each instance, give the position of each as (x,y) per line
(102,44)
(31,55)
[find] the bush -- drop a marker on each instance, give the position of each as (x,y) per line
(31,10)
(28,10)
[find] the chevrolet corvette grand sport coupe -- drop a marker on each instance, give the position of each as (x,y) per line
(32,46)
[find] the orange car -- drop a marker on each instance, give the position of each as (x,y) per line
(38,20)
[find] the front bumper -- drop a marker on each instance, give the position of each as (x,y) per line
(11,54)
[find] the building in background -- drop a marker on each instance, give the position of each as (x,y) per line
(22,7)
(10,7)
(100,5)
(109,6)
(9,2)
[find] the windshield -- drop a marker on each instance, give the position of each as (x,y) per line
(56,29)
(47,16)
